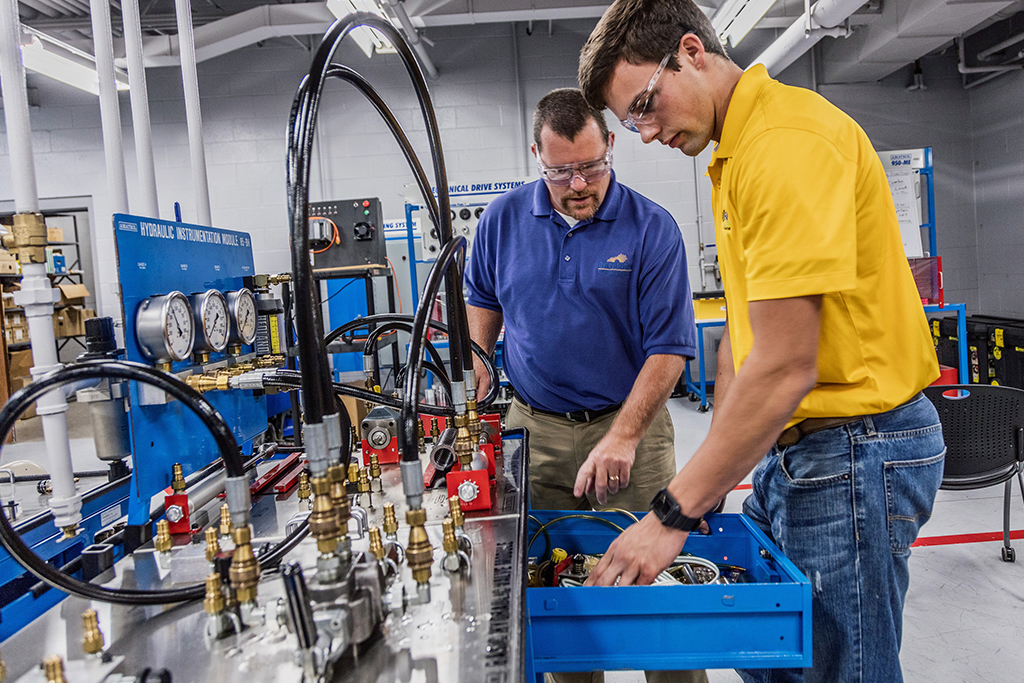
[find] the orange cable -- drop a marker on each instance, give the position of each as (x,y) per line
(337,237)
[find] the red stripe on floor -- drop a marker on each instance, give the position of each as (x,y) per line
(743,487)
(966,538)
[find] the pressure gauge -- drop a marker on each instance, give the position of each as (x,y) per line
(212,321)
(163,327)
(242,305)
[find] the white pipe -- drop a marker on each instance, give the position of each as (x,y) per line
(37,296)
(110,109)
(964,69)
(193,115)
(139,93)
(1012,40)
(15,96)
(825,17)
(414,38)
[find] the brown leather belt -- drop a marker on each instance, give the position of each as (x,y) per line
(574,416)
(792,435)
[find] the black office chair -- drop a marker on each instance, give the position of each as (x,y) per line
(984,431)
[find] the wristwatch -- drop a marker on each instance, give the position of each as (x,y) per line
(666,508)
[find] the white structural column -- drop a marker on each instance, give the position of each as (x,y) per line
(148,203)
(110,109)
(19,133)
(193,115)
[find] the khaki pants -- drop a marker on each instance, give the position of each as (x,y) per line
(558,448)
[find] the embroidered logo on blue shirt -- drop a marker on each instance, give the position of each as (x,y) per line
(617,263)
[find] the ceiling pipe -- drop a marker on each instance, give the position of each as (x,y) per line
(193,114)
(999,47)
(398,7)
(824,19)
(110,108)
(964,69)
(139,93)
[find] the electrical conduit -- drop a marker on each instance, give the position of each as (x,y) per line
(193,115)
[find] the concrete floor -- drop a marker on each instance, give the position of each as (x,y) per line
(964,617)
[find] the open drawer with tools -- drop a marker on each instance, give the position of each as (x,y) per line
(731,600)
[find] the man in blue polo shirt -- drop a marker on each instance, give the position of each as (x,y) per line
(589,279)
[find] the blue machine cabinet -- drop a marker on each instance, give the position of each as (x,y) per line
(766,624)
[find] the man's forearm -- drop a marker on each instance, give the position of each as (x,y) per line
(484,326)
(724,370)
(651,389)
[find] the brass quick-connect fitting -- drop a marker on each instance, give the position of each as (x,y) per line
(376,544)
(363,484)
(455,509)
(201,383)
(355,438)
(375,483)
(323,521)
(163,541)
(28,236)
(450,543)
(353,473)
(435,431)
(212,544)
(53,668)
(339,495)
(245,570)
(304,491)
(474,420)
(423,436)
(390,522)
(213,603)
(225,520)
(465,445)
(92,639)
(419,554)
(177,479)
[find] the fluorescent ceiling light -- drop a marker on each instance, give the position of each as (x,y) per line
(50,57)
(369,41)
(737,17)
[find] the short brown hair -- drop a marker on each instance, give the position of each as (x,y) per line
(566,113)
(640,31)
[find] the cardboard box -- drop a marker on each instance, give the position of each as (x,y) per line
(8,264)
(19,383)
(14,318)
(16,334)
(20,364)
(54,234)
(70,322)
(72,294)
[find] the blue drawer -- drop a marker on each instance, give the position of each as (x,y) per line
(766,624)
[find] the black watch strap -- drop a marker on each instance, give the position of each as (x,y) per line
(666,509)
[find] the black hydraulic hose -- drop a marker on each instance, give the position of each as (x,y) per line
(292,382)
(23,398)
(274,557)
(408,435)
(441,378)
(492,370)
(370,346)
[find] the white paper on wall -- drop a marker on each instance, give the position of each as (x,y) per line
(902,169)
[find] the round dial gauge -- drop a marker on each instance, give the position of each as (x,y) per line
(211,320)
(242,305)
(163,327)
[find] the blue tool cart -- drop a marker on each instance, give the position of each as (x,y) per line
(766,624)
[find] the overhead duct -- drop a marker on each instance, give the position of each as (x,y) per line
(826,17)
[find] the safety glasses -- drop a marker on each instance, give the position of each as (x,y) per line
(641,112)
(589,171)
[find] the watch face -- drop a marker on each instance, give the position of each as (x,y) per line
(661,505)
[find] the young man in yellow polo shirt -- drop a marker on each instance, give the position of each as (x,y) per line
(829,344)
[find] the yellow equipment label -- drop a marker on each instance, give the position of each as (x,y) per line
(997,353)
(275,335)
(999,336)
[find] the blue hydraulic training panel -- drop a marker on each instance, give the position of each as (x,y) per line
(155,257)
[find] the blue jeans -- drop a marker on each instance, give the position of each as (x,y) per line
(844,504)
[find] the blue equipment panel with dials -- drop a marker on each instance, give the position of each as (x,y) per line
(155,258)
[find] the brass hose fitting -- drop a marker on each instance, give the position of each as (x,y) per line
(419,554)
(244,572)
(353,473)
(376,544)
(213,603)
(304,491)
(323,521)
(205,382)
(339,495)
(390,525)
(473,420)
(53,668)
(363,485)
(212,544)
(163,541)
(177,478)
(450,543)
(455,509)
(375,473)
(355,439)
(226,527)
(423,436)
(92,640)
(435,431)
(465,445)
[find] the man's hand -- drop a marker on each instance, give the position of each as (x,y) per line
(639,554)
(483,380)
(606,469)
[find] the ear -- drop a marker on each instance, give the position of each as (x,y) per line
(611,139)
(691,49)
(533,148)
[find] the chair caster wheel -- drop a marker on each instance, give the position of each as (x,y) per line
(1008,554)
(703,409)
(693,397)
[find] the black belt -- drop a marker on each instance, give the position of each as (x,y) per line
(792,435)
(574,416)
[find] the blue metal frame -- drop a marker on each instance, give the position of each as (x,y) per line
(758,625)
(701,389)
(928,173)
(961,334)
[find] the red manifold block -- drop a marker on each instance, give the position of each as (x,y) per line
(388,454)
(473,487)
(177,513)
(488,450)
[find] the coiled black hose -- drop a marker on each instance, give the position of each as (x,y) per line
(292,381)
(373,339)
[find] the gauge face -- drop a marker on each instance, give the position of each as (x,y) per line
(211,319)
(242,305)
(163,327)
